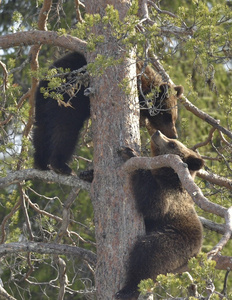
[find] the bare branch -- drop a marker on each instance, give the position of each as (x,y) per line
(168,29)
(63,278)
(214,178)
(227,234)
(6,218)
(35,206)
(79,17)
(24,208)
(47,176)
(160,11)
(47,248)
(225,140)
(43,14)
(43,37)
(66,214)
(204,116)
(207,141)
(4,295)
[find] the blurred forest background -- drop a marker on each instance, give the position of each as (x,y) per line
(200,61)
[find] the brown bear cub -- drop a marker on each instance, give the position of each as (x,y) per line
(162,113)
(57,127)
(173,230)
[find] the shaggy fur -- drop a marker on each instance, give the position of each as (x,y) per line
(173,230)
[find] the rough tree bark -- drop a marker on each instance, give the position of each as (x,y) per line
(115,121)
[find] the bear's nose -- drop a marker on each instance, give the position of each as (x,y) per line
(175,136)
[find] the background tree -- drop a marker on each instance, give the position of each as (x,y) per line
(47,228)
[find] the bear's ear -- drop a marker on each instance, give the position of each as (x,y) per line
(164,90)
(179,89)
(194,163)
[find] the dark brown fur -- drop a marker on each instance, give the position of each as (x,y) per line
(173,230)
(164,98)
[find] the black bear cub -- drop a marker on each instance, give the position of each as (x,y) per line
(57,127)
(173,230)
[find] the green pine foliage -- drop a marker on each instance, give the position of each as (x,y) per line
(197,283)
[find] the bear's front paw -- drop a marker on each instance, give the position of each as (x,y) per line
(126,153)
(87,175)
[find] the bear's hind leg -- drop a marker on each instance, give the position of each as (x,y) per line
(139,268)
(63,144)
(161,252)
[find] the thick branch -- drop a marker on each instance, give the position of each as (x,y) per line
(43,37)
(4,295)
(47,176)
(43,15)
(48,248)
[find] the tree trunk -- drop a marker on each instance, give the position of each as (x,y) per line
(115,121)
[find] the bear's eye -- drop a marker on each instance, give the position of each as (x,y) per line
(171,145)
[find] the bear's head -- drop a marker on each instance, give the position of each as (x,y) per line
(161,145)
(161,113)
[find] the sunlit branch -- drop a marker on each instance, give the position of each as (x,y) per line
(47,176)
(47,248)
(4,295)
(78,4)
(42,37)
(215,179)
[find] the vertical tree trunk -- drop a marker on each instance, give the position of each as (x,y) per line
(115,121)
